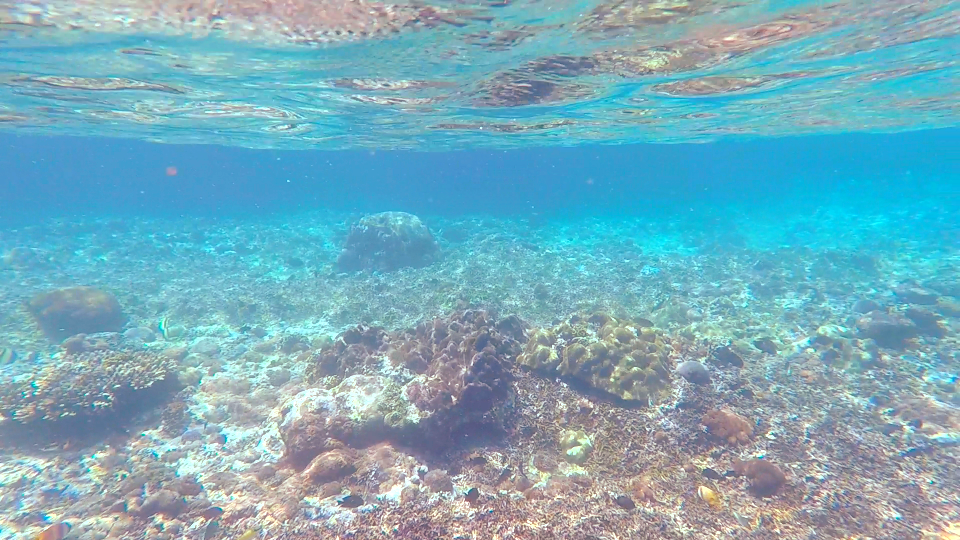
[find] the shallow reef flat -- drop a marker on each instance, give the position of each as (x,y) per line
(706,375)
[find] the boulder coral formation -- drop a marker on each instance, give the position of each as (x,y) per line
(388,241)
(626,360)
(76,310)
(429,387)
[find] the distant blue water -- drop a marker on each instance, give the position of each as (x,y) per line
(67,176)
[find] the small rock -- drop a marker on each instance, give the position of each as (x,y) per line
(911,293)
(694,372)
(948,307)
(206,346)
(927,322)
(278,377)
(165,501)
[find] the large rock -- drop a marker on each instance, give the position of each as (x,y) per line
(889,330)
(360,411)
(386,242)
(76,310)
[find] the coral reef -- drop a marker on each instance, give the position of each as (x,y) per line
(83,394)
(627,360)
(388,241)
(76,310)
(430,387)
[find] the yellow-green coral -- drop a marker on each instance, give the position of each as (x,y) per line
(627,360)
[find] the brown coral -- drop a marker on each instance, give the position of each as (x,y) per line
(455,371)
(76,310)
(727,426)
(765,477)
(627,360)
(330,466)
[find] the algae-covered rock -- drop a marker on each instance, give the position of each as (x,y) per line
(576,446)
(627,360)
(76,310)
(83,395)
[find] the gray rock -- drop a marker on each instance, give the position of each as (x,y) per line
(865,306)
(206,345)
(140,335)
(915,294)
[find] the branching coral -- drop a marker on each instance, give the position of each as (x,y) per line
(85,391)
(629,361)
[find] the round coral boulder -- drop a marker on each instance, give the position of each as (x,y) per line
(77,310)
(386,242)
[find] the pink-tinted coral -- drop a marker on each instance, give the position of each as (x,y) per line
(729,427)
(432,386)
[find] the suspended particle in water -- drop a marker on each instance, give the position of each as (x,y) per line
(171,171)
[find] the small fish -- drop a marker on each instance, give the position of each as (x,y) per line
(711,474)
(248,534)
(710,497)
(766,345)
(643,323)
(350,501)
(473,495)
(54,532)
(163,327)
(211,530)
(625,502)
(212,513)
(725,355)
(7,356)
(476,459)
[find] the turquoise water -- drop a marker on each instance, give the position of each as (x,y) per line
(526,270)
(454,75)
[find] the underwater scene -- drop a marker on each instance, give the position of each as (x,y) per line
(490,270)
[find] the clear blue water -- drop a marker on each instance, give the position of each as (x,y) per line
(776,179)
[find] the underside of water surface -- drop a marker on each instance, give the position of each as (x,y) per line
(446,74)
